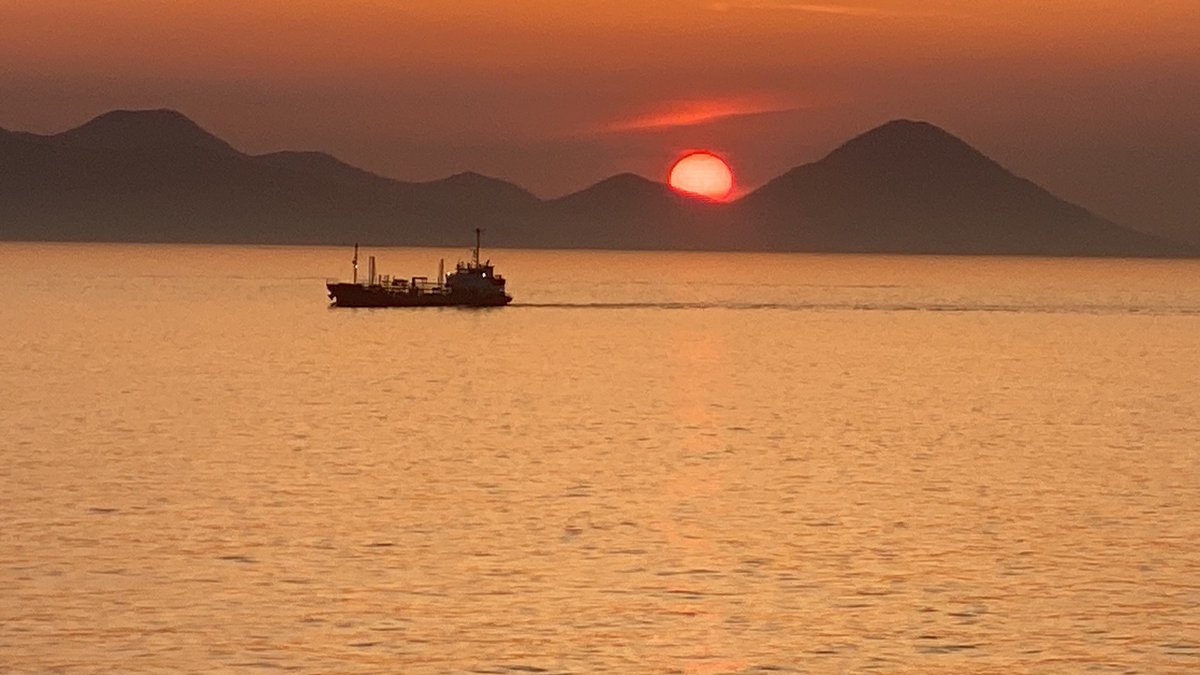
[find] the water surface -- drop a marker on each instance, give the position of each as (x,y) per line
(650,462)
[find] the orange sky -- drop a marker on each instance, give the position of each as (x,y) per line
(555,94)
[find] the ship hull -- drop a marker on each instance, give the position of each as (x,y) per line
(358,295)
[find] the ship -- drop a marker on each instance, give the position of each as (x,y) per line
(471,284)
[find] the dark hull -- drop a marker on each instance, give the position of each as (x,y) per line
(357,295)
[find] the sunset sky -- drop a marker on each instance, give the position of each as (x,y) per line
(1099,100)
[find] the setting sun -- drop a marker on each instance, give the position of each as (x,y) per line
(703,174)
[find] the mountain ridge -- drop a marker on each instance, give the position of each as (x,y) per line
(905,186)
(156,129)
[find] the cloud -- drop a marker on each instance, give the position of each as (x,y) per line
(694,113)
(819,8)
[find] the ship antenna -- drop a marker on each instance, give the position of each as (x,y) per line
(355,261)
(477,233)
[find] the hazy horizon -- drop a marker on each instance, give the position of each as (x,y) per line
(1091,99)
(740,190)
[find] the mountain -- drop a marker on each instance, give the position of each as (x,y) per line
(905,187)
(628,211)
(149,131)
(323,165)
(911,187)
(157,176)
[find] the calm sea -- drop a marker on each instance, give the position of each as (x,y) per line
(650,462)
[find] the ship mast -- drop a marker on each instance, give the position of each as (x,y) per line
(355,261)
(476,254)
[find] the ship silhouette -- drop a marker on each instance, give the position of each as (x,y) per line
(471,284)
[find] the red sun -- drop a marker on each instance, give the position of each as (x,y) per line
(702,174)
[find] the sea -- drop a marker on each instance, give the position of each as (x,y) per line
(650,462)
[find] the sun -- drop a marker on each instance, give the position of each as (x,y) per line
(703,174)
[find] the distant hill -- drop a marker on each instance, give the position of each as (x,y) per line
(148,131)
(156,176)
(911,187)
(905,187)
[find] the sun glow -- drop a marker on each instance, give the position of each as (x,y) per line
(702,174)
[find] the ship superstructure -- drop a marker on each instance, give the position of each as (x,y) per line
(471,284)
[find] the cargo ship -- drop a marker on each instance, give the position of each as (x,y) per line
(471,284)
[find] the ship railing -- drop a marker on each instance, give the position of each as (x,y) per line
(360,282)
(423,286)
(426,286)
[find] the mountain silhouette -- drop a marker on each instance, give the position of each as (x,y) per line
(322,165)
(912,187)
(147,131)
(904,187)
